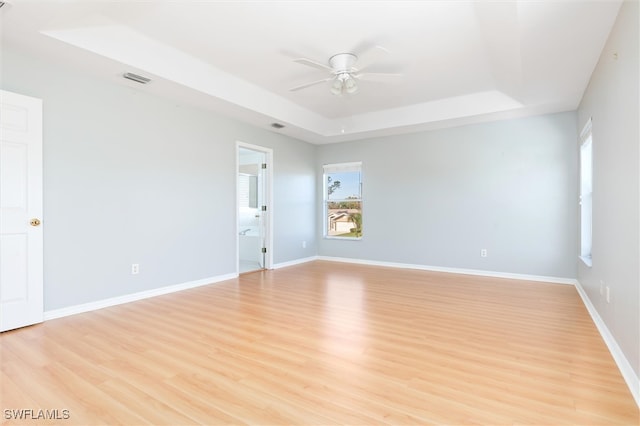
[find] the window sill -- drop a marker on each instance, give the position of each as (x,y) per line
(586,260)
(343,238)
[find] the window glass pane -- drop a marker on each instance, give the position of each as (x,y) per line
(344,219)
(343,185)
(586,196)
(586,204)
(586,167)
(243,190)
(343,200)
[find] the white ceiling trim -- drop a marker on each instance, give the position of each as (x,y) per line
(462,61)
(123,44)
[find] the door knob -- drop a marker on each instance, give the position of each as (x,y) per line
(35,222)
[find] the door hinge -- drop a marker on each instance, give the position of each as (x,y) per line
(264,249)
(264,165)
(264,208)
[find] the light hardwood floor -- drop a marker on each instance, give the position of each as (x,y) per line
(325,343)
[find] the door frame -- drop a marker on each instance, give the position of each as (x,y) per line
(268,198)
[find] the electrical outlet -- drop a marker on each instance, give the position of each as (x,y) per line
(608,291)
(601,288)
(304,244)
(135,268)
(483,253)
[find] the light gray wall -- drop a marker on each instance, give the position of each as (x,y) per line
(134,178)
(612,101)
(437,198)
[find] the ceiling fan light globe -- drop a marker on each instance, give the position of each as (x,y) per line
(350,85)
(336,87)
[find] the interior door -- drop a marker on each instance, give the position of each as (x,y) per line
(21,245)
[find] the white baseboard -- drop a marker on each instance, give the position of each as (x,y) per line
(541,278)
(294,262)
(629,375)
(119,300)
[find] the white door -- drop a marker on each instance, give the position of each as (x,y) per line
(21,276)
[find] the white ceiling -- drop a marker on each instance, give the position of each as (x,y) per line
(462,61)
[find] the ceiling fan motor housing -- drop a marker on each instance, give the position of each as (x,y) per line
(343,63)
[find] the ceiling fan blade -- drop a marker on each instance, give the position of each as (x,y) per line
(378,76)
(313,83)
(313,64)
(370,56)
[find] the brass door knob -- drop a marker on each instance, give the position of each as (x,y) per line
(35,222)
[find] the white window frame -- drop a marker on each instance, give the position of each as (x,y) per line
(586,194)
(333,168)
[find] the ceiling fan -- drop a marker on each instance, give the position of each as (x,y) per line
(343,73)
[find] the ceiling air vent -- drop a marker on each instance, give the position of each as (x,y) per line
(135,77)
(277,125)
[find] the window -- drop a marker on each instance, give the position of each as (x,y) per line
(343,200)
(586,197)
(248,190)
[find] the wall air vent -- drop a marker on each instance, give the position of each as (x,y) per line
(137,78)
(277,125)
(5,6)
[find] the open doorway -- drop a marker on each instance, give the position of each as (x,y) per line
(253,210)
